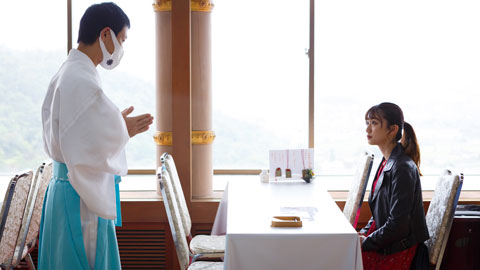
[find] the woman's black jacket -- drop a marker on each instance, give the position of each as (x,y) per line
(397,207)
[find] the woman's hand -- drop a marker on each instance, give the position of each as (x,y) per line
(362,238)
(136,124)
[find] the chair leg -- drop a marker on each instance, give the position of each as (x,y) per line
(29,261)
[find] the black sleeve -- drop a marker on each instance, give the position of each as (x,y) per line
(365,229)
(401,203)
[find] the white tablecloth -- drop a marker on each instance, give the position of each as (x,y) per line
(326,240)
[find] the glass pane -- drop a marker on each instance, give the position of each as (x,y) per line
(260,80)
(32,48)
(133,81)
(423,56)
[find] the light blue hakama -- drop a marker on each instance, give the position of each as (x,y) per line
(61,240)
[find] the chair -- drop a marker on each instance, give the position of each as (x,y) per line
(176,226)
(358,188)
(202,246)
(440,214)
(12,214)
(33,213)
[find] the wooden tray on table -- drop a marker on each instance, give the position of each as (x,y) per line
(286,221)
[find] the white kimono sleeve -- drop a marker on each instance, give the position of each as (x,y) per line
(93,148)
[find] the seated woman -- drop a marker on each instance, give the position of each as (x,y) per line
(391,237)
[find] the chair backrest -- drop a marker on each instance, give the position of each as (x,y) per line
(358,188)
(169,163)
(173,215)
(33,212)
(12,215)
(441,212)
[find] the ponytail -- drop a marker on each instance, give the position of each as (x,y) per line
(410,144)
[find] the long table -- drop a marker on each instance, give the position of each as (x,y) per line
(325,241)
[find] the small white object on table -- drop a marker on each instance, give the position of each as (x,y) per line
(325,241)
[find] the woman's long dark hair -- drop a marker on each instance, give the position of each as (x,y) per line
(393,115)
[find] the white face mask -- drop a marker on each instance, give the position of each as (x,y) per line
(110,61)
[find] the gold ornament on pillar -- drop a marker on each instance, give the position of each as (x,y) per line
(165,138)
(162,5)
(201,5)
(195,5)
(203,137)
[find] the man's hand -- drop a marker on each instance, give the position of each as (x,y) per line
(136,124)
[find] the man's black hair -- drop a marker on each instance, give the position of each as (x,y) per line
(99,16)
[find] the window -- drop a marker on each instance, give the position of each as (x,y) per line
(32,48)
(259,80)
(31,53)
(424,56)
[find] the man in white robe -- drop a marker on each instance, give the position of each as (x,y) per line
(85,134)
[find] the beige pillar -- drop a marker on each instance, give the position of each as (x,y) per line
(202,168)
(163,74)
(201,97)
